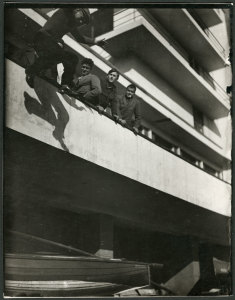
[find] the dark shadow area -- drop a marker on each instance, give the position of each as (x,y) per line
(213,127)
(50,108)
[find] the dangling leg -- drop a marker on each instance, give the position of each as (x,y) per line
(49,53)
(69,61)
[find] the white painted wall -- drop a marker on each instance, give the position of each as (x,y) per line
(101,141)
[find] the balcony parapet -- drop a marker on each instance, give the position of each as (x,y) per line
(207,31)
(99,140)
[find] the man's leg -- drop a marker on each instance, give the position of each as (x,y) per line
(49,53)
(69,60)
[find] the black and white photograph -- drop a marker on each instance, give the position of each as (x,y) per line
(117,162)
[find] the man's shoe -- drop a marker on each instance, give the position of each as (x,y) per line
(65,89)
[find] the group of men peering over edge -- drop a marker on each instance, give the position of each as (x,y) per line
(50,49)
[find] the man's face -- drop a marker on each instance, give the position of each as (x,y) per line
(112,77)
(79,16)
(130,92)
(86,69)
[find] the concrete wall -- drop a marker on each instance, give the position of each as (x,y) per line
(98,139)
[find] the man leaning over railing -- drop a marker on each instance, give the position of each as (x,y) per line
(109,91)
(86,86)
(126,109)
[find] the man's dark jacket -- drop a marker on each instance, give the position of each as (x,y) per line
(108,94)
(128,110)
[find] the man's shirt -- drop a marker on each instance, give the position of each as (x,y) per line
(127,109)
(109,93)
(88,87)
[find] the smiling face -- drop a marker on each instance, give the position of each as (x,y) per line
(112,77)
(86,69)
(130,92)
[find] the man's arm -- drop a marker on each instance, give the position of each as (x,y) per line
(115,107)
(85,39)
(80,38)
(95,88)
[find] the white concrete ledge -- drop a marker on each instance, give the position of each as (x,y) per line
(99,140)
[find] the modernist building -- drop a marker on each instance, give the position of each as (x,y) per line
(163,196)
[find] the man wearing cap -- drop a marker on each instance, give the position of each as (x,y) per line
(49,45)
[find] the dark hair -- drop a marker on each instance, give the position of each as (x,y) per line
(88,61)
(86,14)
(112,71)
(131,86)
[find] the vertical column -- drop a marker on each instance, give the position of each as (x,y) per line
(208,279)
(105,239)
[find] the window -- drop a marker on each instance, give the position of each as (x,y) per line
(198,120)
(210,170)
(161,142)
(188,157)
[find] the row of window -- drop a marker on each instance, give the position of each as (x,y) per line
(180,152)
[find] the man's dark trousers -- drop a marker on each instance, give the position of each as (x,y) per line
(51,53)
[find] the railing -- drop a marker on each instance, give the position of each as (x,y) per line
(125,16)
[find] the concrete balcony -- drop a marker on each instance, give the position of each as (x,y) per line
(109,169)
(210,16)
(190,30)
(99,140)
(167,59)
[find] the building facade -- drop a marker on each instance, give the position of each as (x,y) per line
(162,196)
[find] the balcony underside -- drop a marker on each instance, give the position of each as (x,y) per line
(38,173)
(159,121)
(209,16)
(179,74)
(192,38)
